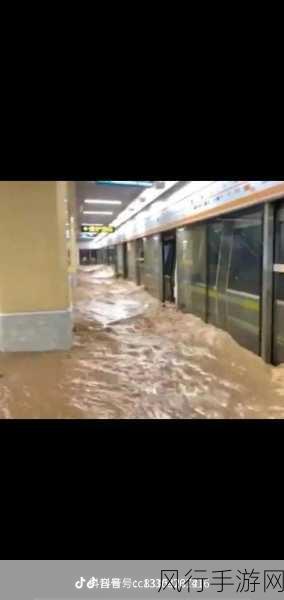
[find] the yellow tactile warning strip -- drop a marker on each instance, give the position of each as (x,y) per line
(249,303)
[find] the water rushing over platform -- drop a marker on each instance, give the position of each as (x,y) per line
(133,358)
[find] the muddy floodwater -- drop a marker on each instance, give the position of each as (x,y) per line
(134,358)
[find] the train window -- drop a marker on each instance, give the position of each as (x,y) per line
(169,258)
(245,268)
(214,241)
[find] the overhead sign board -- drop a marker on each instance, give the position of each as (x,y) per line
(94,229)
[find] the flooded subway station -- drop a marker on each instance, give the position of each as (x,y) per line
(134,358)
(182,321)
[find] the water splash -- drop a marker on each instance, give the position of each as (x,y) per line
(132,358)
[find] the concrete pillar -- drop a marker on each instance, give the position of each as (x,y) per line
(35,299)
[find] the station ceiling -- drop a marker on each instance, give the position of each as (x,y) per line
(92,190)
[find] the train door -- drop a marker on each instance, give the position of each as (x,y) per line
(214,240)
(244,279)
(222,273)
(84,257)
(153,266)
(278,301)
(125,261)
(120,260)
(111,256)
(140,261)
(191,265)
(114,259)
(169,264)
(234,276)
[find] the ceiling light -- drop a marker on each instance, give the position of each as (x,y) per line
(103,201)
(130,183)
(95,224)
(97,212)
(148,196)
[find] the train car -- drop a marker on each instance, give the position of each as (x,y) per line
(216,249)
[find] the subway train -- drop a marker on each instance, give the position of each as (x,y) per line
(228,270)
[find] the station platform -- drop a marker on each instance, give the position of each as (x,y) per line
(133,357)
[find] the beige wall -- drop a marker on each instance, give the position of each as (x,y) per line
(73,251)
(66,194)
(33,247)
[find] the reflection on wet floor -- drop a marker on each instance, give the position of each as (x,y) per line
(133,358)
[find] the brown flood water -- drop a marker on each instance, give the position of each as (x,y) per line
(133,358)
